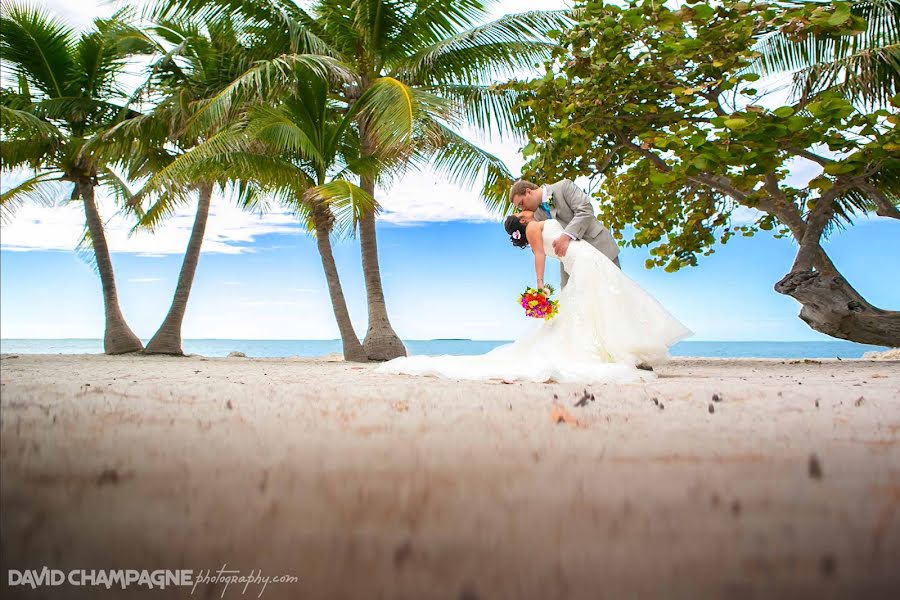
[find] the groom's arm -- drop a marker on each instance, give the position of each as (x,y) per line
(583,211)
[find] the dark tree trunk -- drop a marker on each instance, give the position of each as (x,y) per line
(353,350)
(382,342)
(831,306)
(117,337)
(167,339)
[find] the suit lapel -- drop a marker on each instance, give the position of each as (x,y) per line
(548,199)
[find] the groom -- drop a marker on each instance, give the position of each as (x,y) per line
(565,202)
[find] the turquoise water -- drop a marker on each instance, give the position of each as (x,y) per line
(276,348)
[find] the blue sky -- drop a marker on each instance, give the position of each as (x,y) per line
(454,279)
(448,267)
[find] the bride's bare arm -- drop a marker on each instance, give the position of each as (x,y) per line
(534,235)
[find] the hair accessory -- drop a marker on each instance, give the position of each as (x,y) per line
(517,235)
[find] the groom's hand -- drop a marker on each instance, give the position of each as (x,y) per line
(561,245)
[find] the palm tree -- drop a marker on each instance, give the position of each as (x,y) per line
(301,153)
(408,48)
(198,59)
(66,98)
(864,68)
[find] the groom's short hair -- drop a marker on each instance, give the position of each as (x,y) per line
(520,187)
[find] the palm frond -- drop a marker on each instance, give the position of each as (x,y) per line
(871,76)
(489,109)
(465,164)
(85,250)
(263,80)
(37,47)
(24,123)
(435,20)
(393,110)
(111,182)
(40,189)
(30,152)
(863,66)
(275,127)
(346,201)
(487,52)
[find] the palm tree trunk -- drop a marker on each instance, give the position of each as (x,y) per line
(353,350)
(117,337)
(382,342)
(167,339)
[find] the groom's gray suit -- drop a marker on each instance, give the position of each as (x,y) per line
(572,208)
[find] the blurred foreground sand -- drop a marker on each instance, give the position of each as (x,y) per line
(378,486)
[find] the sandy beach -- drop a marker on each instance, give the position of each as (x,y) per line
(721,478)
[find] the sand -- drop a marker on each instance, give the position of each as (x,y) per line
(377,486)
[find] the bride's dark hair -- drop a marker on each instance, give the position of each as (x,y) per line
(516,231)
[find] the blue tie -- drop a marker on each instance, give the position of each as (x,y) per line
(547,208)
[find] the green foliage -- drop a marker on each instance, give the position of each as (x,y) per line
(663,102)
(67,97)
(423,68)
(864,68)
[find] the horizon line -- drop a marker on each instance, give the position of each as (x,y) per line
(423,340)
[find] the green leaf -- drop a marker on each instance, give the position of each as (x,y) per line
(784,111)
(821,183)
(736,124)
(839,168)
(703,11)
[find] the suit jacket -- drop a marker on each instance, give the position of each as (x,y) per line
(572,208)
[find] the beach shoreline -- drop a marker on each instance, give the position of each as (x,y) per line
(722,477)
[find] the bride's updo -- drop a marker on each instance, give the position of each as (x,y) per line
(516,231)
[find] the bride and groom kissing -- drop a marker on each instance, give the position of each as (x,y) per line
(608,329)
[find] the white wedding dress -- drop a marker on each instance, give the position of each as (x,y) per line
(606,325)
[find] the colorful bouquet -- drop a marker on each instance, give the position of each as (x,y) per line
(537,302)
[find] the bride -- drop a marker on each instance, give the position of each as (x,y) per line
(606,325)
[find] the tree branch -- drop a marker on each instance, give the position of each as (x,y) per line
(717,182)
(884,207)
(809,155)
(818,218)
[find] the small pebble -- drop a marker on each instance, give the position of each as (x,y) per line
(712,409)
(815,467)
(108,476)
(828,565)
(716,398)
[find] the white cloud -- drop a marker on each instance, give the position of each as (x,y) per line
(424,197)
(145,279)
(229,229)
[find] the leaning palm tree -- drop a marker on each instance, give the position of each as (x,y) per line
(864,67)
(66,98)
(409,47)
(301,153)
(197,60)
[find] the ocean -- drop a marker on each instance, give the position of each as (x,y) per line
(306,348)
